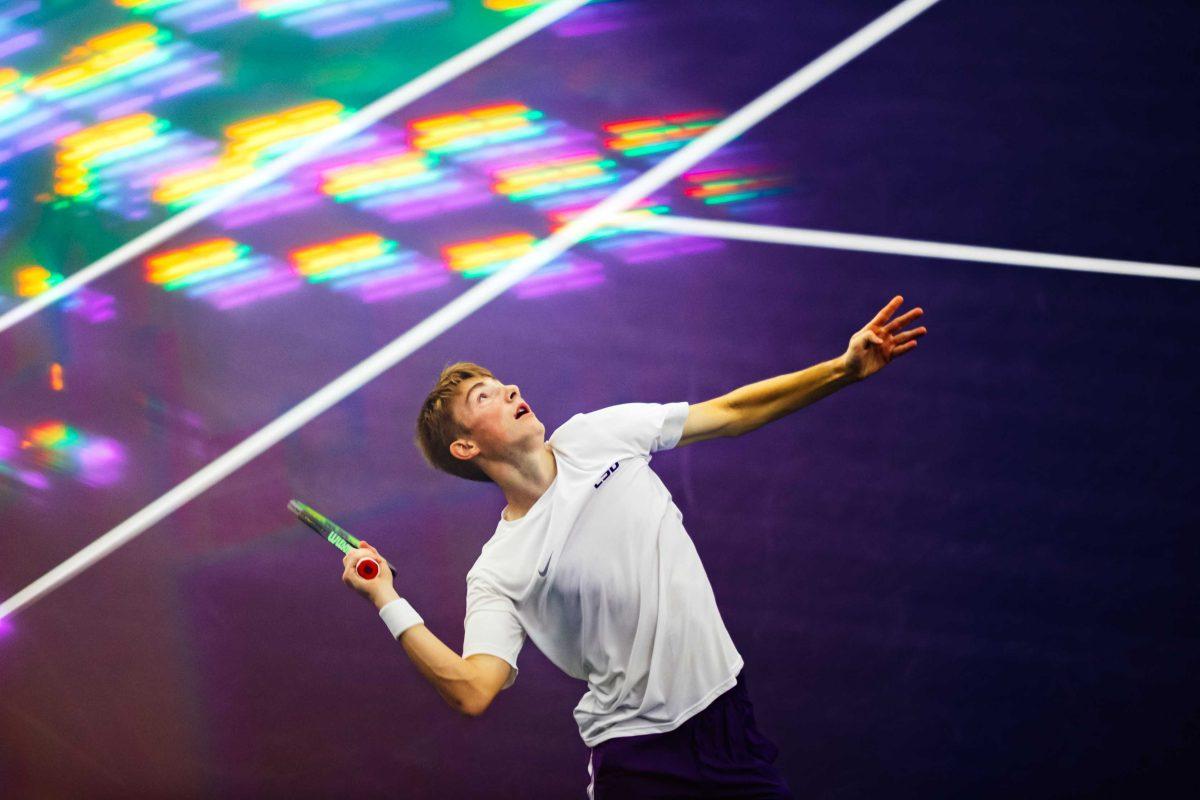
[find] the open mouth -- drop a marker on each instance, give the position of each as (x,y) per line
(522,410)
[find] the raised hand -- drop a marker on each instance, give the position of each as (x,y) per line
(880,341)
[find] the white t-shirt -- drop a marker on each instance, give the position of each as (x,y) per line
(606,582)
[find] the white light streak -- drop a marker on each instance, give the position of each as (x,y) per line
(832,240)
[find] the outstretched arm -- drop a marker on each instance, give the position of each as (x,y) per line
(756,404)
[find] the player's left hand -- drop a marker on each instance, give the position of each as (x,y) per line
(880,341)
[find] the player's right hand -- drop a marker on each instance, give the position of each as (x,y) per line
(379,589)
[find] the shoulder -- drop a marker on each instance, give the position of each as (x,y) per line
(569,427)
(480,581)
(576,439)
(484,568)
(620,431)
(634,413)
(643,427)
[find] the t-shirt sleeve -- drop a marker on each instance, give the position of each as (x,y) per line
(643,428)
(491,626)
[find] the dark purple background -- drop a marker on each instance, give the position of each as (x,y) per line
(972,575)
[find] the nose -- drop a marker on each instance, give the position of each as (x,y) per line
(514,391)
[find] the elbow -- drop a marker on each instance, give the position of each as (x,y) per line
(472,704)
(465,708)
(730,419)
(744,419)
(738,423)
(472,695)
(472,709)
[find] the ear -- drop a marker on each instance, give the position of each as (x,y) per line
(464,449)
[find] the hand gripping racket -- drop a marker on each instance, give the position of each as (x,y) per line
(333,533)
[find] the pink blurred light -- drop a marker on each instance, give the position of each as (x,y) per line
(101,462)
(405,206)
(573,272)
(194,82)
(19,42)
(649,249)
(409,284)
(242,294)
(34,480)
(257,210)
(9,443)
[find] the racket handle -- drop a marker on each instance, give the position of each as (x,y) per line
(367,568)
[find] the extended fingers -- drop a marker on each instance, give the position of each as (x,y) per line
(902,320)
(886,312)
(900,338)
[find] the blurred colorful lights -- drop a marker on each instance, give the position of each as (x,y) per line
(723,186)
(124,69)
(55,446)
(383,173)
(222,271)
(514,7)
(651,135)
(370,266)
(196,263)
(554,176)
(599,16)
(115,164)
(34,279)
(250,142)
(190,15)
(98,144)
(25,122)
(480,257)
(324,18)
(477,127)
(13,37)
(345,256)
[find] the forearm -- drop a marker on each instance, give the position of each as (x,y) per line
(756,404)
(451,674)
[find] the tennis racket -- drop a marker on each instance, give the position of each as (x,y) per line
(337,536)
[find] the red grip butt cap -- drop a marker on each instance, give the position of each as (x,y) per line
(367,569)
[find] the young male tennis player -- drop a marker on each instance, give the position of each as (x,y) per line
(591,561)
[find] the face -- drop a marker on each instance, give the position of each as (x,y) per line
(497,419)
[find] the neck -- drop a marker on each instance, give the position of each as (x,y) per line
(524,480)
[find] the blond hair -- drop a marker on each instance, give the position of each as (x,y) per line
(437,426)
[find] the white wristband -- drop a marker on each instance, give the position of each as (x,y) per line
(399,616)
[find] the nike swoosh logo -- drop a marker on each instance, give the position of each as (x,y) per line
(542,571)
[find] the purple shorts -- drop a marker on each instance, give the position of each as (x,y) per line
(716,753)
